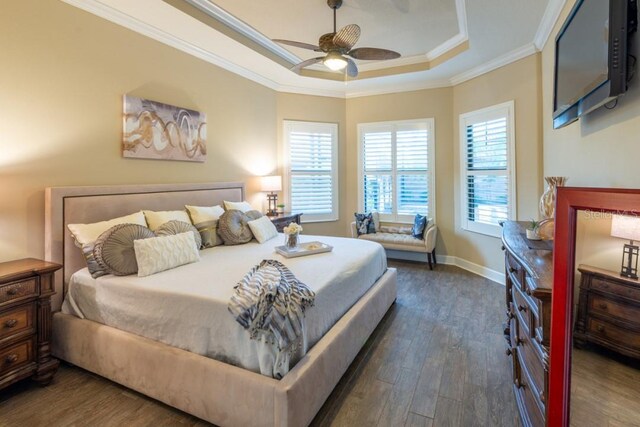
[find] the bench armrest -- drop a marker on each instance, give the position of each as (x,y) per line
(354,230)
(430,237)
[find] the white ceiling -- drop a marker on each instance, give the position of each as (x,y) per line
(498,32)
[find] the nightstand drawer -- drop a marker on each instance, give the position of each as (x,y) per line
(610,308)
(18,290)
(614,334)
(614,288)
(17,320)
(16,356)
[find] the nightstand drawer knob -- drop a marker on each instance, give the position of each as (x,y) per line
(600,328)
(603,305)
(11,323)
(12,291)
(12,358)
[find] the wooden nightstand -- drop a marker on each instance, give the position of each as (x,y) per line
(26,287)
(283,219)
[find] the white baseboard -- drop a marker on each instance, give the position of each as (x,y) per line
(480,270)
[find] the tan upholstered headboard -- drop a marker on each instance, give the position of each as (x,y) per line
(78,205)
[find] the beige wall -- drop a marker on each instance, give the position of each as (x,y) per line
(63,75)
(319,109)
(436,103)
(601,149)
(520,82)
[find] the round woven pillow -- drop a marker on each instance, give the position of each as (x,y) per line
(251,215)
(176,227)
(233,227)
(114,251)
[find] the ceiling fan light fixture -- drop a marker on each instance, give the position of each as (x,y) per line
(334,61)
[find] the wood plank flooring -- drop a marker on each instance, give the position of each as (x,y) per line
(436,359)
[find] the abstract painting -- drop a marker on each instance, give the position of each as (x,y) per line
(153,130)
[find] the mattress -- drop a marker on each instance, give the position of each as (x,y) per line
(186,307)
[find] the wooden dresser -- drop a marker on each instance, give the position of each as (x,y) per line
(608,311)
(529,278)
(26,287)
(283,219)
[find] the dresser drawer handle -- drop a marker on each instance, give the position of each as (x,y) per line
(11,323)
(12,358)
(509,352)
(528,292)
(509,314)
(518,383)
(502,248)
(522,308)
(12,291)
(603,305)
(512,270)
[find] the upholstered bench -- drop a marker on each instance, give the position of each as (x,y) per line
(401,241)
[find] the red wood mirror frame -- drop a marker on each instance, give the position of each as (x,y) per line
(569,201)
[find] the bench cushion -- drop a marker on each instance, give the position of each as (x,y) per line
(402,242)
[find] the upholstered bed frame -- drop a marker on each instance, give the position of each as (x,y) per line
(214,391)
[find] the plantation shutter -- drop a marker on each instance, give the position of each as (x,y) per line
(487,168)
(377,154)
(312,169)
(412,164)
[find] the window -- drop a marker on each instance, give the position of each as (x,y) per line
(311,169)
(487,165)
(395,168)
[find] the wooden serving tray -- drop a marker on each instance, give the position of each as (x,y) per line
(303,249)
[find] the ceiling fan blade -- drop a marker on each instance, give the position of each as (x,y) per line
(296,68)
(298,44)
(352,68)
(373,53)
(347,37)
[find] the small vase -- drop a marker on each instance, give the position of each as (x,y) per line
(291,241)
(548,199)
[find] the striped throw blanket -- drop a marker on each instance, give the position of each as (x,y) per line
(269,302)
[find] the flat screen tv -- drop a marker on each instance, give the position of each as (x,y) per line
(591,57)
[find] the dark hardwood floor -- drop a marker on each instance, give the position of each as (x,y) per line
(436,359)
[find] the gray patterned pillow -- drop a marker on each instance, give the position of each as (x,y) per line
(94,267)
(114,251)
(233,227)
(175,226)
(209,233)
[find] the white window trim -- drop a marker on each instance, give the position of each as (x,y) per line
(483,115)
(394,217)
(309,218)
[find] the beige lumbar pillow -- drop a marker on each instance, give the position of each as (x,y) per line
(88,233)
(238,206)
(200,214)
(165,252)
(156,218)
(263,229)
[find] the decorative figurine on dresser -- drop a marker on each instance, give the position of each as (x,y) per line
(26,287)
(528,280)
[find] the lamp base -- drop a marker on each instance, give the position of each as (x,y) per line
(629,266)
(273,204)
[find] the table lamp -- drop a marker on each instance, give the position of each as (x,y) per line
(272,184)
(627,227)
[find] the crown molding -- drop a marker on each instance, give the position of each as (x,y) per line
(501,61)
(549,19)
(458,39)
(398,88)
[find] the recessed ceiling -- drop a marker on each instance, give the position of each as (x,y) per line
(469,37)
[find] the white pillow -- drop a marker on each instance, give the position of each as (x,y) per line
(200,214)
(263,229)
(376,221)
(240,206)
(89,233)
(156,218)
(164,252)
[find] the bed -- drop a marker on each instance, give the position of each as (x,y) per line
(178,371)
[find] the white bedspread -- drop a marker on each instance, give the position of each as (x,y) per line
(187,307)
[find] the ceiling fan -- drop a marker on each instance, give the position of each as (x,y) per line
(337,45)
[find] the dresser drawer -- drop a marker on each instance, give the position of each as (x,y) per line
(533,412)
(532,365)
(524,309)
(615,288)
(514,269)
(614,334)
(18,290)
(610,308)
(17,320)
(16,356)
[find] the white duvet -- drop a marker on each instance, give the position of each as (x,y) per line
(186,307)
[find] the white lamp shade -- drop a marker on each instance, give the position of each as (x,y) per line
(271,183)
(625,227)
